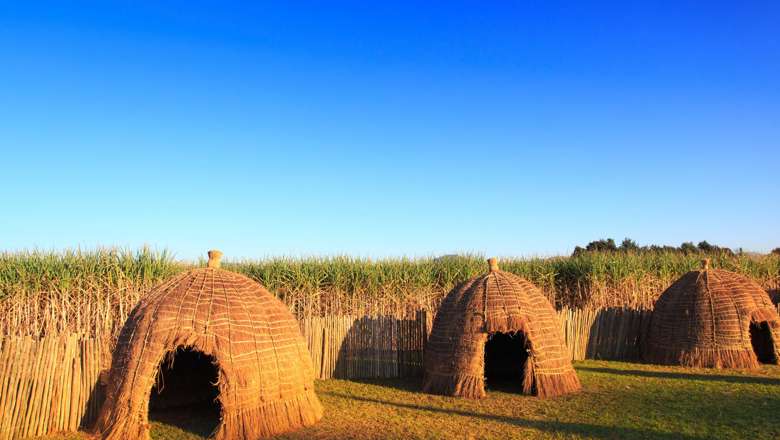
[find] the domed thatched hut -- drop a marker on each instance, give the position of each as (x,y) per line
(713,318)
(210,320)
(500,327)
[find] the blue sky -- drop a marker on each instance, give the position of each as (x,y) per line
(506,128)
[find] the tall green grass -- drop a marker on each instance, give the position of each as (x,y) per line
(75,270)
(604,279)
(84,291)
(92,291)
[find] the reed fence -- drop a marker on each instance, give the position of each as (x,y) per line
(50,384)
(608,334)
(348,347)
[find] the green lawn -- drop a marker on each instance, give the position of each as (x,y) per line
(619,401)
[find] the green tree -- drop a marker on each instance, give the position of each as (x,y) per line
(689,248)
(603,245)
(629,245)
(706,247)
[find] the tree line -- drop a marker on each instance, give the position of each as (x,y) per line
(629,245)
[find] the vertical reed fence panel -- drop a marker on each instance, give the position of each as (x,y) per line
(49,384)
(345,347)
(611,334)
(615,334)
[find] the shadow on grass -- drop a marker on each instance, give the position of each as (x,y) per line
(414,385)
(684,376)
(590,430)
(405,384)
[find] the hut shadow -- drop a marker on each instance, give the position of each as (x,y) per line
(94,403)
(103,357)
(412,385)
(774,295)
(684,376)
(373,349)
(615,334)
(557,427)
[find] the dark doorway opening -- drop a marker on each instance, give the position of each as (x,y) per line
(506,355)
(185,393)
(762,342)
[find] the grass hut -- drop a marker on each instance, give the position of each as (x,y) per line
(713,318)
(501,329)
(210,337)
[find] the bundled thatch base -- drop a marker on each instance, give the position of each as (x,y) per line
(273,418)
(702,358)
(549,385)
(266,421)
(473,387)
(123,427)
(461,385)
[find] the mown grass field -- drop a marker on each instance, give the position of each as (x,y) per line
(619,401)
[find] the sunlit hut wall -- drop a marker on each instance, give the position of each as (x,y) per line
(713,318)
(264,377)
(92,292)
(500,306)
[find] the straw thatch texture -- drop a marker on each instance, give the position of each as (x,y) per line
(264,369)
(498,302)
(704,320)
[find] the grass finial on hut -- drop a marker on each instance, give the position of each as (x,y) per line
(705,264)
(214,258)
(493,263)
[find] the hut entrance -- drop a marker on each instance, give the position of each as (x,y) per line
(185,393)
(506,356)
(763,345)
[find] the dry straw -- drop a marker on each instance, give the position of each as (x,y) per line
(265,378)
(498,302)
(704,319)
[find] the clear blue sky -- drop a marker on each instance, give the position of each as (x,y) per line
(508,128)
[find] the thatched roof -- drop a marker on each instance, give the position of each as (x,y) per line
(704,318)
(496,302)
(265,372)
